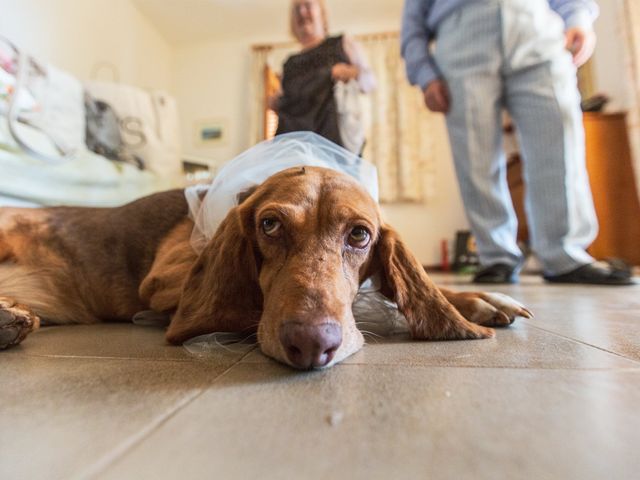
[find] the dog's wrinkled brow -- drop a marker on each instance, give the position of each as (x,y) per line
(347,214)
(292,213)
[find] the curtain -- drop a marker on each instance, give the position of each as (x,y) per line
(266,60)
(257,90)
(397,123)
(630,16)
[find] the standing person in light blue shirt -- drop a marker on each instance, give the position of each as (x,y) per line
(518,55)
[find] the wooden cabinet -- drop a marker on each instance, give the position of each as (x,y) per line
(612,179)
(613,186)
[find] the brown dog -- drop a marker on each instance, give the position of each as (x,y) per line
(287,262)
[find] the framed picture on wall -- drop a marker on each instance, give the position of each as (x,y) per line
(211,132)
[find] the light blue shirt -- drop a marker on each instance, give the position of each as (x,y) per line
(420,20)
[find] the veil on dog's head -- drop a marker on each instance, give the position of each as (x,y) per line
(209,204)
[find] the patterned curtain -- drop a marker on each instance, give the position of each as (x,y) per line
(397,123)
(630,16)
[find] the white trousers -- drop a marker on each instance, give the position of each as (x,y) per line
(509,54)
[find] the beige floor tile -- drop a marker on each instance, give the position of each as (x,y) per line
(601,316)
(60,416)
(109,340)
(520,346)
(538,294)
(555,397)
(571,301)
(355,421)
(617,332)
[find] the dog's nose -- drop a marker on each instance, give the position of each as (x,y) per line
(309,346)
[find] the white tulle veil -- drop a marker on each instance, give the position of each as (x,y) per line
(209,204)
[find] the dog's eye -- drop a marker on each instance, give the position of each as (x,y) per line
(271,227)
(359,237)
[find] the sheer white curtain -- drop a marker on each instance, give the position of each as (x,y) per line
(630,16)
(400,131)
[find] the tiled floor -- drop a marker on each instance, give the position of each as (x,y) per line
(553,397)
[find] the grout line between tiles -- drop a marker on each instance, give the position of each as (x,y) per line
(125,447)
(491,367)
(581,342)
(121,449)
(468,366)
(192,359)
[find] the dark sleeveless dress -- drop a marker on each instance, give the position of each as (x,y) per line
(307,101)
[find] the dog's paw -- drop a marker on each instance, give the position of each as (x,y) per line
(473,332)
(495,310)
(452,328)
(16,322)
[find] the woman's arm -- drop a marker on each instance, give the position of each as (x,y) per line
(364,75)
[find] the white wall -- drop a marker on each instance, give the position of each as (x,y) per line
(609,56)
(211,83)
(76,35)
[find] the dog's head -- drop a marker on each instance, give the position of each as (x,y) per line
(288,261)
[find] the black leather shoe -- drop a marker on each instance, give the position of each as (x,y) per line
(597,273)
(498,273)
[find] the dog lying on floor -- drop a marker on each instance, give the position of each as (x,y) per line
(286,262)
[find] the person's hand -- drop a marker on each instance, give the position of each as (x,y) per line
(581,43)
(343,72)
(436,96)
(273,100)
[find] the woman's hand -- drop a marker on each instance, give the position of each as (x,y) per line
(581,43)
(436,96)
(273,100)
(343,72)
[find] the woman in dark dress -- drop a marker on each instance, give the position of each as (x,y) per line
(307,100)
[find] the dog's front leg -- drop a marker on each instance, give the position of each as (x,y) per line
(428,312)
(431,317)
(162,287)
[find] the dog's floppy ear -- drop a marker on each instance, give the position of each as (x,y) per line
(429,314)
(221,292)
